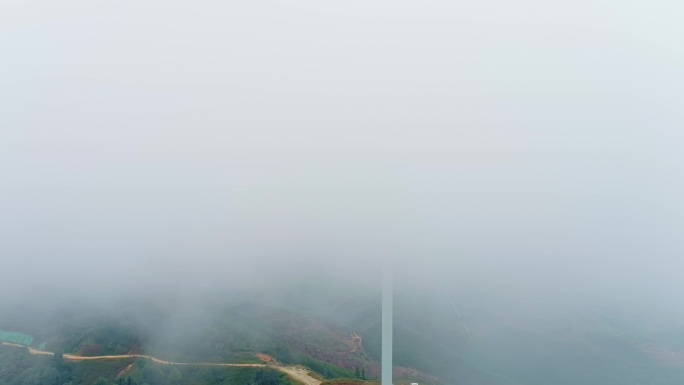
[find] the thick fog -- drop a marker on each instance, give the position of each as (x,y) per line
(527,145)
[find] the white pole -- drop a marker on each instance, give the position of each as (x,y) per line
(387,299)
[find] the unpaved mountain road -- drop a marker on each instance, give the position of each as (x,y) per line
(297,374)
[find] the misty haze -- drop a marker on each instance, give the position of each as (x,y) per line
(210,192)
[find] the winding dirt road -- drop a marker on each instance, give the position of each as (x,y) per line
(296,374)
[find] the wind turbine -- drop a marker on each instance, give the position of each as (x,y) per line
(387,309)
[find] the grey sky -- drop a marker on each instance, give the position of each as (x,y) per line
(493,136)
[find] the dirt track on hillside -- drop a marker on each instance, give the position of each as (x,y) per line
(297,374)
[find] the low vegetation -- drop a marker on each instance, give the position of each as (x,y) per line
(18,367)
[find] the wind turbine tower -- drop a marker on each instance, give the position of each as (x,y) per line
(387,304)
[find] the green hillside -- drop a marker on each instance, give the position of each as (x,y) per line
(489,341)
(18,367)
